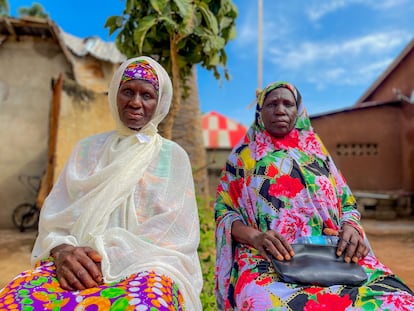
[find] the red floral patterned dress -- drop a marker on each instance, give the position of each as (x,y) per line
(292,186)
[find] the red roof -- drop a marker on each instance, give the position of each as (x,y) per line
(220,131)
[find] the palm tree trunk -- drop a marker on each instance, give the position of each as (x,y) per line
(188,133)
(166,126)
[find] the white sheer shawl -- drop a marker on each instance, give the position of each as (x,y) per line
(130,196)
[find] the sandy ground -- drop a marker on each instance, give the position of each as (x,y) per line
(15,248)
(392,242)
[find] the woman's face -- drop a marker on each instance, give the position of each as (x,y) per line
(279,112)
(136,100)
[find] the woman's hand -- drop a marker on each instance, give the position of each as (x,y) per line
(351,242)
(266,243)
(77,268)
(272,242)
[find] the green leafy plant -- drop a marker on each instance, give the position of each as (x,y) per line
(36,10)
(207,254)
(4,8)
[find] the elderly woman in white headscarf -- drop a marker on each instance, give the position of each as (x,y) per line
(120,227)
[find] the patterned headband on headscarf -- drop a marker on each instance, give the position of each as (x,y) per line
(140,70)
(302,120)
(280,84)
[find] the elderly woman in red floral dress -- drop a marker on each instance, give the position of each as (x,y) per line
(281,186)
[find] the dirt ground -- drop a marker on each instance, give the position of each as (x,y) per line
(392,242)
(396,252)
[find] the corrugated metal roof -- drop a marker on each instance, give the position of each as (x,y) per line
(94,46)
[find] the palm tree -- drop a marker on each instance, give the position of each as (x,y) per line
(187,132)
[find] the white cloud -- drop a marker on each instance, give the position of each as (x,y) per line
(318,9)
(310,53)
(355,74)
(371,70)
(275,26)
(385,4)
(335,73)
(315,12)
(352,62)
(247,34)
(247,26)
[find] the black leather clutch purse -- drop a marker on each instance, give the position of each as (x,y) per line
(319,265)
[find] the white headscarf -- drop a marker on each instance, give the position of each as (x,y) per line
(164,97)
(130,196)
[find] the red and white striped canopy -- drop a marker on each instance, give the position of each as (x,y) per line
(220,131)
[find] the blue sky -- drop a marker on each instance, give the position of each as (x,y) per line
(332,50)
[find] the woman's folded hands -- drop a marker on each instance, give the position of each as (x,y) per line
(77,268)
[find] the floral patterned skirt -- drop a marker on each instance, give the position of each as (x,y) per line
(259,288)
(39,289)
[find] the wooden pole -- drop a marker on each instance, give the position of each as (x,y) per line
(260,45)
(47,179)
